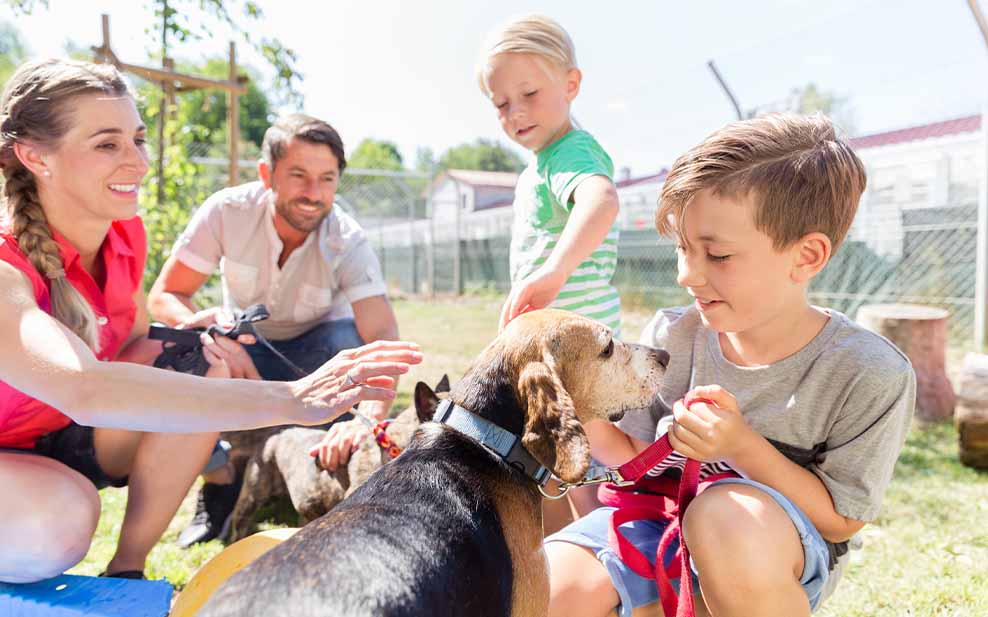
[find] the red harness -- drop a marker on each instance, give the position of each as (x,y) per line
(657,499)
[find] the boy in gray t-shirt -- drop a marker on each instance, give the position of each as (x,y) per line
(810,409)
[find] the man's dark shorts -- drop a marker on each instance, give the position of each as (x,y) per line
(73,447)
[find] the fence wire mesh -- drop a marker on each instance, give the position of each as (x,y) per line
(430,244)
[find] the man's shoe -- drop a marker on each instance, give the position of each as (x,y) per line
(214,507)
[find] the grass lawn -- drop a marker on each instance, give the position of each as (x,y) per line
(926,556)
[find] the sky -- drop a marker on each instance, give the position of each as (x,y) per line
(403,71)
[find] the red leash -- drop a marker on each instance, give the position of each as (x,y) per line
(661,506)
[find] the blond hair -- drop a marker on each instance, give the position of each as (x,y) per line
(803,177)
(36,108)
(537,35)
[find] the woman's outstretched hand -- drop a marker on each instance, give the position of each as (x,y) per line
(366,373)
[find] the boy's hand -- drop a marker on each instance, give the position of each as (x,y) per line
(706,432)
(535,291)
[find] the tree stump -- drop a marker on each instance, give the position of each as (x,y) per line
(920,332)
(972,411)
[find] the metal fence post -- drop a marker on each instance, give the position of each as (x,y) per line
(981,267)
(981,259)
(430,248)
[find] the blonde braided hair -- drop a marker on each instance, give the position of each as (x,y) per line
(35,108)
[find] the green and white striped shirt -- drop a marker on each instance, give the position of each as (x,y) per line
(541,208)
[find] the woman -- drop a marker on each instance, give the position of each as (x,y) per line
(73,345)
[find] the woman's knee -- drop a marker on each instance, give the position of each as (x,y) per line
(48,529)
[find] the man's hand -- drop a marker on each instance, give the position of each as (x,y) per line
(231,352)
(707,432)
(535,291)
(341,440)
(227,358)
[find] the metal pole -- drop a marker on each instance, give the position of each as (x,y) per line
(723,85)
(457,252)
(981,261)
(430,248)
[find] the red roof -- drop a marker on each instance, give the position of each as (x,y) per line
(967,124)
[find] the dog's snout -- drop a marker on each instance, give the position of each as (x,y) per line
(663,357)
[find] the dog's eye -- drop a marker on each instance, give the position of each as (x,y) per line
(608,350)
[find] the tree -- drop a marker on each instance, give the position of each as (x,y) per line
(483,155)
(374,154)
(425,159)
(808,100)
(811,99)
(207,108)
(13,51)
(182,20)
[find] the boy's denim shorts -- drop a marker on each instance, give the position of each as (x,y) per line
(634,591)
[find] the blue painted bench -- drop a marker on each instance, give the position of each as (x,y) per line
(71,596)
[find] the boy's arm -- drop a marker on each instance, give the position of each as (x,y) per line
(761,462)
(610,445)
(595,206)
(719,432)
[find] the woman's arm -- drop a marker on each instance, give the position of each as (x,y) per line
(45,360)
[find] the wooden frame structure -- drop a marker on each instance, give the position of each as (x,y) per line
(172,82)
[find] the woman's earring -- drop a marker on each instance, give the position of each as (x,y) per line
(46,173)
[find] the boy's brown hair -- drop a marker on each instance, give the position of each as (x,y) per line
(802,176)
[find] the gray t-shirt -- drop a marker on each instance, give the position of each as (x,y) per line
(840,406)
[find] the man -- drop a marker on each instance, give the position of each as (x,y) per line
(280,242)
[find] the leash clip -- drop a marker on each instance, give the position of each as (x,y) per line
(599,475)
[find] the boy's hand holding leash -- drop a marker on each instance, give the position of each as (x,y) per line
(709,431)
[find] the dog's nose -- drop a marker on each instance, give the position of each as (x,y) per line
(663,357)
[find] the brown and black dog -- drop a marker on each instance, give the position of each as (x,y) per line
(280,466)
(448,528)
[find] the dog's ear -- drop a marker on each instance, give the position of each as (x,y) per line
(425,402)
(553,434)
(443,385)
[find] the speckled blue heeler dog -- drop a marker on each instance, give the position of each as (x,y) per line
(449,527)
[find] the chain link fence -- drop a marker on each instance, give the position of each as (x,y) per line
(430,244)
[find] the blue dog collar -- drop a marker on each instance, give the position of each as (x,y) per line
(502,442)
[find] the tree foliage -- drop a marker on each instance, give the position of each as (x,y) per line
(13,51)
(483,155)
(183,21)
(374,154)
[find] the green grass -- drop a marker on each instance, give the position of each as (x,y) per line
(926,556)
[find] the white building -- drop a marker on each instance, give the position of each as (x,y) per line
(927,166)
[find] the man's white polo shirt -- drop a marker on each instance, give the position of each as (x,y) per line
(335,266)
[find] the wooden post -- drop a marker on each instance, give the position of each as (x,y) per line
(166,94)
(972,411)
(233,118)
(172,81)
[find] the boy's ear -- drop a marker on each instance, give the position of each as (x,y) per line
(573,79)
(811,254)
(264,173)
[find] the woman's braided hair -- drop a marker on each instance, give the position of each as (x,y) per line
(36,108)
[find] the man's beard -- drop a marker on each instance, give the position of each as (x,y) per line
(298,220)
